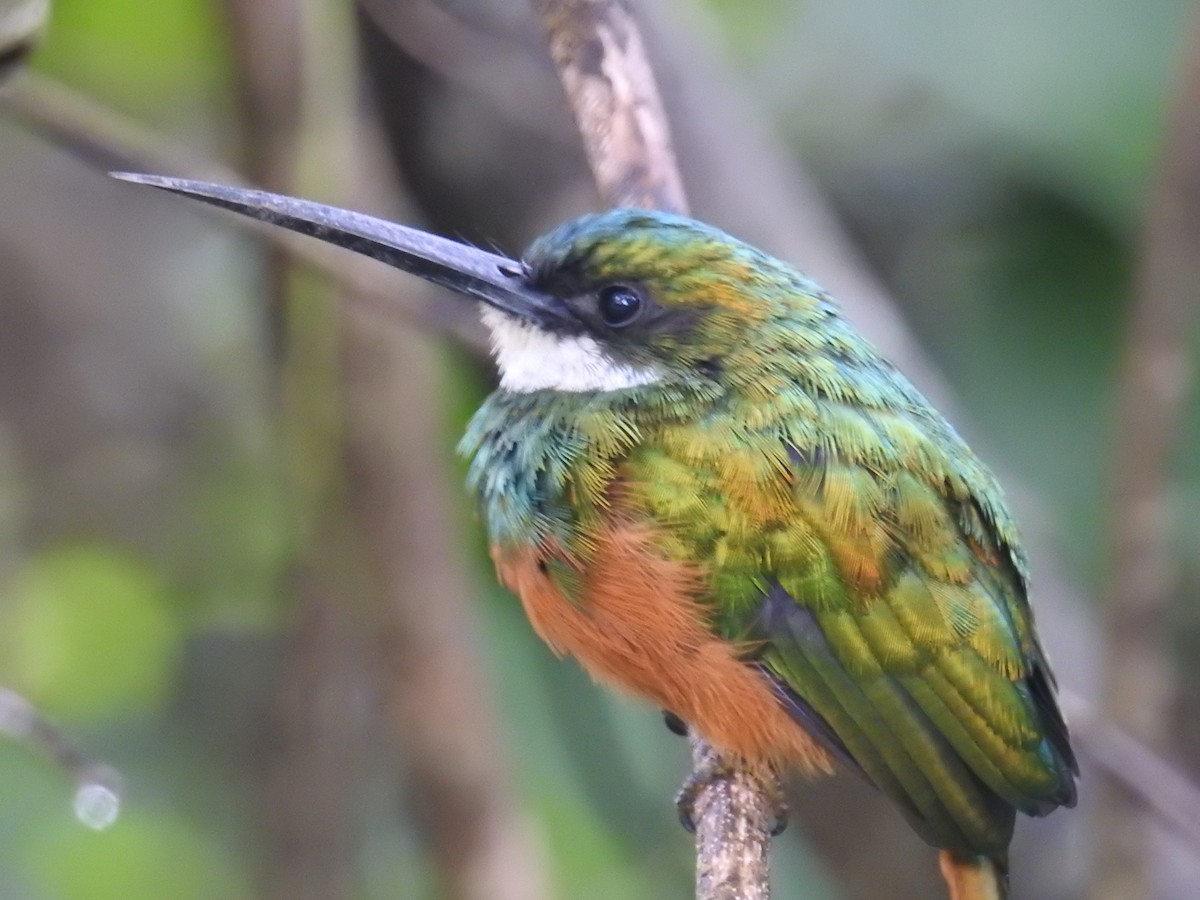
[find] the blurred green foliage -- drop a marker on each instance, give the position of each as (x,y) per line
(165,61)
(86,632)
(147,856)
(992,159)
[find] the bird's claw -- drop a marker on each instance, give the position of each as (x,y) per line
(699,779)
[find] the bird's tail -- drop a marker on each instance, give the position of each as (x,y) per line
(974,877)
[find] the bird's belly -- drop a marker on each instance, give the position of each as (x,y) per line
(636,623)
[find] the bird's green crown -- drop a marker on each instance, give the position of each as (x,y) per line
(660,290)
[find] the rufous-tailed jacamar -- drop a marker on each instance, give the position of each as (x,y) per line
(710,490)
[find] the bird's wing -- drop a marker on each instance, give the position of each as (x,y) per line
(901,616)
(886,602)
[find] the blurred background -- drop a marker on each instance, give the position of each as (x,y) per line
(238,565)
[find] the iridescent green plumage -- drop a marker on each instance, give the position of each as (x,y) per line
(849,538)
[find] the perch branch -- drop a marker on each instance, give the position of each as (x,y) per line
(733,820)
(600,57)
(598,51)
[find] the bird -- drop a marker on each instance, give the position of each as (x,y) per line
(709,489)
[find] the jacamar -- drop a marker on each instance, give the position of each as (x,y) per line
(715,494)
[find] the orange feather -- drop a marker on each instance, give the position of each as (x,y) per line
(639,625)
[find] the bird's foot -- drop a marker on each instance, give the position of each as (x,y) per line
(715,770)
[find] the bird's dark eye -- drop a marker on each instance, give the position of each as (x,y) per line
(619,305)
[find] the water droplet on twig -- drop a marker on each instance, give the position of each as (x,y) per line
(97,804)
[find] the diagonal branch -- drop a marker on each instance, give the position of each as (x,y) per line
(598,51)
(1161,789)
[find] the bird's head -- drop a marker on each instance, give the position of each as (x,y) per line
(636,297)
(605,302)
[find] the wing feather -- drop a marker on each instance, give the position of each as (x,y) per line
(931,670)
(873,573)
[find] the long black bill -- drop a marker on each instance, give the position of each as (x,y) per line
(496,280)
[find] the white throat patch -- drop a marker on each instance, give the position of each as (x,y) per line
(531,359)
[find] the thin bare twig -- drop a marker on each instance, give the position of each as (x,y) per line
(1156,377)
(1161,789)
(97,785)
(99,135)
(602,62)
(431,688)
